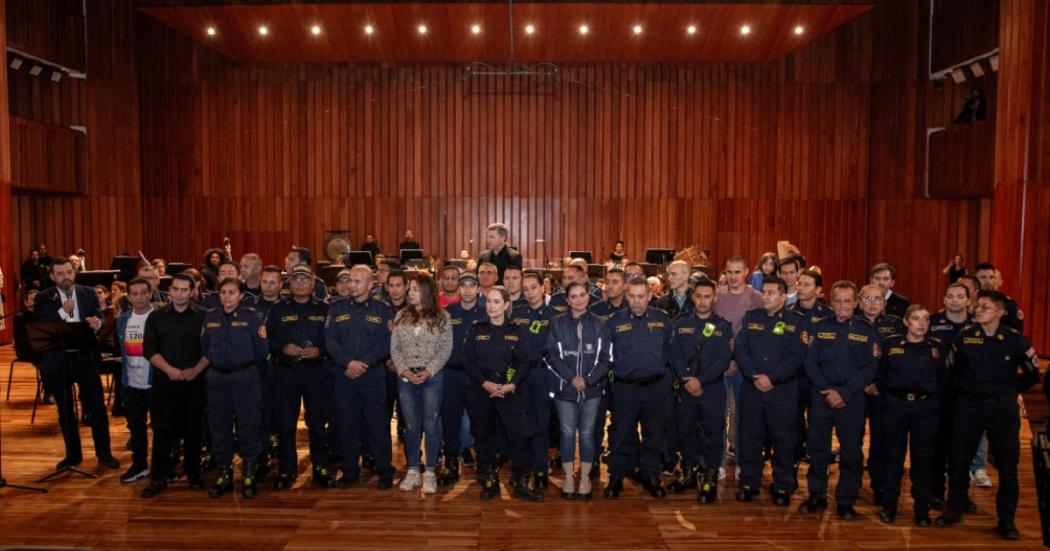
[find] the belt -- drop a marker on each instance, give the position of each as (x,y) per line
(639,381)
(909,396)
(231,369)
(988,400)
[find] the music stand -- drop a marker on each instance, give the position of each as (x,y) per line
(353,258)
(60,336)
(586,255)
(175,268)
(128,266)
(659,256)
(410,254)
(91,278)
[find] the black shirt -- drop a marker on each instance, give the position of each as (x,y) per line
(175,335)
(911,366)
(505,257)
(992,365)
(371,248)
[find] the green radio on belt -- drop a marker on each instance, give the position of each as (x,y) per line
(510,374)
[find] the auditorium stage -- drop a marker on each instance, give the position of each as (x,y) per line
(103,514)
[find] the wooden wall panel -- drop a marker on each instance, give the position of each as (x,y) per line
(49,29)
(8,263)
(46,157)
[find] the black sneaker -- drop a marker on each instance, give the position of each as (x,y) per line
(1007,530)
(154,489)
(781,498)
(282,482)
(746,493)
(949,518)
(847,512)
(813,504)
(385,483)
(135,472)
(109,462)
(466,458)
(613,489)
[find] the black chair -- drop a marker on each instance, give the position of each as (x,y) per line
(24,353)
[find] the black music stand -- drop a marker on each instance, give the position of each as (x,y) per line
(354,258)
(60,336)
(127,265)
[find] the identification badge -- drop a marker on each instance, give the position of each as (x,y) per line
(709,329)
(510,374)
(778,329)
(535,327)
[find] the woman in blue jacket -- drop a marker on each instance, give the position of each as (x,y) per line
(579,353)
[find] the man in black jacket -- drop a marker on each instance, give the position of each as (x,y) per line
(499,253)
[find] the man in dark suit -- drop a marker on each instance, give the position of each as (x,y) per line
(885,276)
(499,253)
(59,369)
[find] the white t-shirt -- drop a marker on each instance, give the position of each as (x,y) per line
(138,365)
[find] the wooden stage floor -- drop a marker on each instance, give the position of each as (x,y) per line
(103,514)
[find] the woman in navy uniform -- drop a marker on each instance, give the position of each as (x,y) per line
(495,363)
(910,376)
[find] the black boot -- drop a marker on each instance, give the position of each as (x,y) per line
(450,473)
(949,518)
(283,481)
(1007,530)
(654,487)
(224,483)
(708,486)
(322,477)
(889,512)
(686,479)
(813,504)
(922,518)
(541,481)
(523,489)
(781,497)
(746,493)
(613,489)
(489,486)
(249,471)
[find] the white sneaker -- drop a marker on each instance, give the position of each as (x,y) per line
(721,473)
(430,483)
(980,478)
(411,480)
(738,473)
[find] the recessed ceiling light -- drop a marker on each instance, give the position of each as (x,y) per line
(476,29)
(691,29)
(584,29)
(264,31)
(369,29)
(745,30)
(799,30)
(211,31)
(422,29)
(637,29)
(316,29)
(529,29)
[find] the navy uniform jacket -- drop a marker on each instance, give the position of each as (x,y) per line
(986,365)
(818,312)
(1014,316)
(495,353)
(234,340)
(945,330)
(535,323)
(886,325)
(897,304)
(291,322)
(641,345)
(774,346)
(605,310)
(264,306)
(712,335)
(461,320)
(561,305)
(844,356)
(911,367)
(358,331)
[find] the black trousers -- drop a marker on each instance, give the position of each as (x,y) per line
(453,402)
(495,417)
(702,426)
(537,393)
(631,405)
(877,451)
(767,415)
(269,417)
(943,445)
(301,386)
(1000,418)
(234,398)
(59,372)
(177,408)
(848,423)
(916,422)
(805,396)
(137,413)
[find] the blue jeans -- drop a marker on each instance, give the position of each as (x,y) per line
(577,417)
(733,383)
(982,452)
(421,406)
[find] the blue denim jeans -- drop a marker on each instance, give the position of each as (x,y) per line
(421,406)
(577,417)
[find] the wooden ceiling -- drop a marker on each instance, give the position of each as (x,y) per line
(664,35)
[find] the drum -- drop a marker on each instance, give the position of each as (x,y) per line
(693,255)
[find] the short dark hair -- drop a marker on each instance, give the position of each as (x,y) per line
(737,259)
(983,266)
(705,283)
(533,275)
(773,280)
(818,279)
(235,265)
(793,259)
(140,281)
(397,274)
(391,263)
(616,271)
(271,269)
(513,268)
(232,281)
(185,277)
(58,261)
(972,279)
(573,285)
(995,296)
(500,229)
(959,286)
(845,284)
(304,255)
(912,308)
(882,267)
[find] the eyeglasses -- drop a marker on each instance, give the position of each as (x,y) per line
(871,299)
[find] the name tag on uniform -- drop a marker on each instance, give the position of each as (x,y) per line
(756,326)
(686,330)
(858,338)
(824,335)
(885,330)
(341,318)
(457,321)
(510,338)
(214,325)
(316,318)
(239,324)
(898,351)
(973,340)
(656,325)
(939,328)
(521,321)
(481,338)
(373,319)
(623,328)
(290,318)
(789,328)
(561,308)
